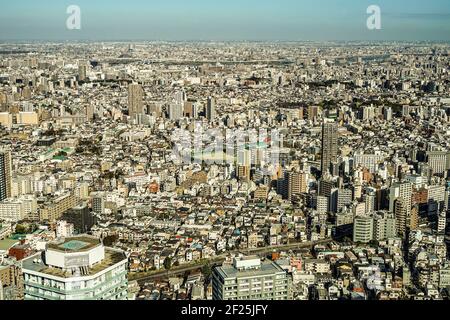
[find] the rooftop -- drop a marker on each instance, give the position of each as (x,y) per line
(74,244)
(6,244)
(267,268)
(112,257)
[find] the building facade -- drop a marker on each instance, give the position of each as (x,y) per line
(249,278)
(78,268)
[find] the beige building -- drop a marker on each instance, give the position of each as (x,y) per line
(54,209)
(6,119)
(28,118)
(261,193)
(135,99)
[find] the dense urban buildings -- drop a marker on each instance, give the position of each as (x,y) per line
(224,170)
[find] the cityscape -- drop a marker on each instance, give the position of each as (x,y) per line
(224,170)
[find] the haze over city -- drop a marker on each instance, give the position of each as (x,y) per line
(232,20)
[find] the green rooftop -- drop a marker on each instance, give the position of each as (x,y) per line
(81,243)
(74,245)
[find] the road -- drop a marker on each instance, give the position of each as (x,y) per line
(222,257)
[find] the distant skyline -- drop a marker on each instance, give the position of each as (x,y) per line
(231,20)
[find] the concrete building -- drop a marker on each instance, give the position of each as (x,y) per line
(5,174)
(78,268)
(401,190)
(363,229)
(11,280)
(437,160)
(135,100)
(211,109)
(53,209)
(249,278)
(329,145)
(81,218)
(98,202)
(401,216)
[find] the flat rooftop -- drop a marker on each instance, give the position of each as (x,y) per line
(112,257)
(6,244)
(267,268)
(74,244)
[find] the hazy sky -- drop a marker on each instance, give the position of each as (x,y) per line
(225,20)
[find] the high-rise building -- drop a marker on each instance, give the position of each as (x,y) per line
(384,226)
(64,229)
(369,200)
(414,218)
(81,218)
(363,229)
(180,97)
(98,202)
(296,183)
(211,109)
(190,110)
(135,99)
(344,198)
(435,199)
(243,173)
(53,209)
(437,160)
(401,190)
(249,278)
(82,72)
(5,174)
(78,268)
(329,146)
(401,215)
(442,222)
(175,111)
(11,280)
(325,187)
(322,204)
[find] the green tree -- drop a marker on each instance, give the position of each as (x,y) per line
(110,240)
(21,229)
(167,263)
(207,270)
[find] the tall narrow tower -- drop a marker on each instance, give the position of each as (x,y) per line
(211,109)
(329,146)
(5,174)
(135,96)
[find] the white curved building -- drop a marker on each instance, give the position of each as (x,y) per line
(77,268)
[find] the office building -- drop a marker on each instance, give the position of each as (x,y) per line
(437,160)
(329,146)
(249,278)
(98,202)
(175,111)
(11,280)
(401,190)
(135,99)
(211,109)
(81,218)
(53,209)
(401,215)
(82,72)
(5,174)
(363,229)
